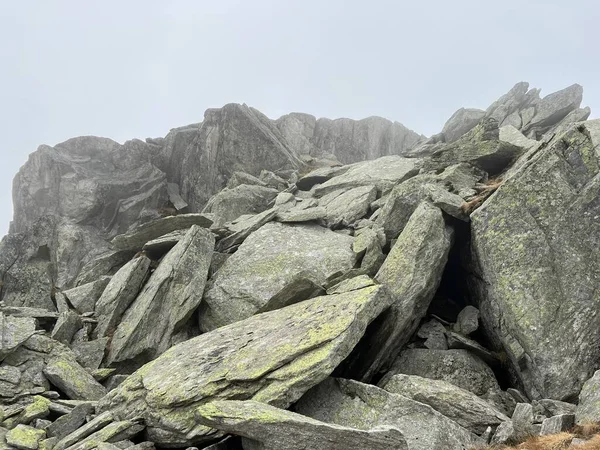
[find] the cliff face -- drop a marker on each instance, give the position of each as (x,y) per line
(393,291)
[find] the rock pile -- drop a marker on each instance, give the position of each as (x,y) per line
(307,284)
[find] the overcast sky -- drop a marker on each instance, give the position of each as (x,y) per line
(125,69)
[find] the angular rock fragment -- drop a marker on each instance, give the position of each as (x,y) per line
(13,332)
(68,323)
(462,406)
(352,404)
(269,260)
(344,207)
(557,424)
(70,422)
(94,425)
(135,239)
(243,228)
(229,204)
(73,380)
(83,298)
(166,302)
(467,321)
(411,273)
(588,409)
(118,295)
(522,421)
(270,428)
(25,437)
(533,255)
(461,122)
(273,358)
(161,245)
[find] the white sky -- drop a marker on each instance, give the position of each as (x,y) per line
(136,68)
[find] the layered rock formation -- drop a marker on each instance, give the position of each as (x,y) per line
(247,283)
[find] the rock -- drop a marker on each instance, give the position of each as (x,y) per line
(298,215)
(161,245)
(83,298)
(411,272)
(522,421)
(73,380)
(343,208)
(352,404)
(451,204)
(106,263)
(239,178)
(505,434)
(272,358)
(135,239)
(90,354)
(37,409)
(319,176)
(25,437)
(554,407)
(67,325)
(114,431)
(175,198)
(383,173)
(557,424)
(120,292)
(15,331)
(299,289)
(242,228)
(467,321)
(272,180)
(513,136)
(271,428)
(269,260)
(346,139)
(461,122)
(458,367)
(94,425)
(367,246)
(229,204)
(458,341)
(41,424)
(460,405)
(167,301)
(10,378)
(533,265)
(588,409)
(480,147)
(70,422)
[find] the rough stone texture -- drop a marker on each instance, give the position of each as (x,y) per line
(13,332)
(461,122)
(343,208)
(505,433)
(551,407)
(229,204)
(25,437)
(467,321)
(460,405)
(553,108)
(84,297)
(70,422)
(167,301)
(533,251)
(411,273)
(68,323)
(136,238)
(273,358)
(271,428)
(513,136)
(239,178)
(348,140)
(458,367)
(557,424)
(265,263)
(522,421)
(588,409)
(383,173)
(73,380)
(120,292)
(357,405)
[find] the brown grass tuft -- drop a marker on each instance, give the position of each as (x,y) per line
(592,444)
(586,430)
(485,190)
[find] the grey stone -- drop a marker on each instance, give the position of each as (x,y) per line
(383,173)
(588,409)
(458,367)
(15,331)
(505,434)
(362,406)
(461,122)
(41,424)
(265,263)
(68,323)
(135,239)
(70,422)
(458,341)
(167,301)
(272,180)
(38,408)
(532,250)
(344,207)
(73,380)
(557,424)
(513,136)
(90,354)
(299,289)
(242,228)
(161,245)
(467,321)
(367,246)
(462,406)
(79,434)
(239,178)
(229,204)
(25,437)
(116,431)
(175,198)
(285,198)
(271,428)
(118,295)
(451,204)
(83,298)
(411,272)
(319,176)
(298,215)
(555,407)
(436,341)
(522,420)
(272,358)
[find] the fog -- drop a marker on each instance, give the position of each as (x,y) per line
(137,68)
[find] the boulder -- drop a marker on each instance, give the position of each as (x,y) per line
(467,321)
(552,109)
(557,424)
(166,302)
(25,437)
(343,208)
(533,261)
(460,405)
(588,409)
(411,273)
(84,297)
(352,404)
(239,178)
(458,367)
(270,428)
(15,331)
(461,122)
(272,358)
(229,204)
(267,261)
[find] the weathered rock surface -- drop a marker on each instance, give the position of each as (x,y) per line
(533,252)
(460,405)
(273,358)
(461,122)
(167,301)
(265,263)
(270,428)
(229,204)
(357,405)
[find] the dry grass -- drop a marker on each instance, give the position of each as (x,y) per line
(561,441)
(485,190)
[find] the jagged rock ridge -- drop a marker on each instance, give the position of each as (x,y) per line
(391,291)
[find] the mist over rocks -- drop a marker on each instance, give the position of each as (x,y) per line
(249,283)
